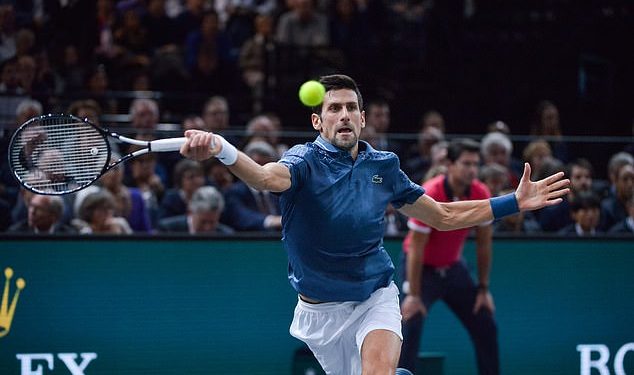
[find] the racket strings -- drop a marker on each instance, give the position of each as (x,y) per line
(57,155)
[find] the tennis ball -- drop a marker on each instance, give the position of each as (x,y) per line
(311,93)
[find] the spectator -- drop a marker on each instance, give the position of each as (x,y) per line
(7,32)
(263,128)
(249,209)
(188,177)
(210,56)
(144,116)
(44,216)
(95,214)
(497,148)
(535,153)
(203,215)
(70,72)
(86,109)
(129,202)
(377,116)
(614,165)
(417,165)
(303,26)
(216,114)
(217,174)
(613,208)
(256,59)
(626,225)
(160,28)
(546,124)
(495,177)
(97,86)
(585,210)
(553,219)
(143,177)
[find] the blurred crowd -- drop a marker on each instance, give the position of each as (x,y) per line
(83,50)
(162,192)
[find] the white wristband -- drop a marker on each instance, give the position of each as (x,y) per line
(228,154)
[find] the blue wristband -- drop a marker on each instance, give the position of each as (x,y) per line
(504,205)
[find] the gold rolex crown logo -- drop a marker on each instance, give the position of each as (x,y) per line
(6,310)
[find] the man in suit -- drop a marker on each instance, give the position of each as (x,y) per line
(203,215)
(44,216)
(249,209)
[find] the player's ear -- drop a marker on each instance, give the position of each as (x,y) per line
(316,121)
(362,119)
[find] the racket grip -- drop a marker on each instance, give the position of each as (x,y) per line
(168,144)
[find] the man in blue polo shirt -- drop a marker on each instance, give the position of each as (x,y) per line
(333,196)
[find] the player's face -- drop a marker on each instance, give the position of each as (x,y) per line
(341,119)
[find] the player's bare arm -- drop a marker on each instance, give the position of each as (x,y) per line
(530,195)
(272,176)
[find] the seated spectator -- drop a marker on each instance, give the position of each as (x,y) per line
(217,174)
(255,56)
(554,218)
(264,128)
(203,215)
(188,177)
(193,122)
(303,25)
(129,202)
(417,165)
(495,177)
(625,226)
(44,216)
(585,210)
(546,124)
(613,207)
(143,177)
(497,148)
(615,163)
(249,209)
(535,153)
(377,119)
(95,215)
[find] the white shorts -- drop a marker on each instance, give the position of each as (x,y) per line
(334,331)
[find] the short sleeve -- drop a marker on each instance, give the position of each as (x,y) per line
(405,191)
(295,160)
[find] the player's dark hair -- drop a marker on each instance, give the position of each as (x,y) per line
(458,146)
(339,82)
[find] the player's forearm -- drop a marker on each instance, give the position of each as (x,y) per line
(269,177)
(461,214)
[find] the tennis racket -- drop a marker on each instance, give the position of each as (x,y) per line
(59,154)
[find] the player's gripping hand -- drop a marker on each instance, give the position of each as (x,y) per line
(200,145)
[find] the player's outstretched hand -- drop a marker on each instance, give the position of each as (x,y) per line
(200,145)
(547,192)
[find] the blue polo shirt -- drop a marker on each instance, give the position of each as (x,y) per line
(333,219)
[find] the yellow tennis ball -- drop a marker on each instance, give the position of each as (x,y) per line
(311,93)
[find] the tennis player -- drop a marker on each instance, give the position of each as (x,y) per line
(333,196)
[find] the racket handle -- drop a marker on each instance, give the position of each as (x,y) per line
(172,144)
(168,144)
